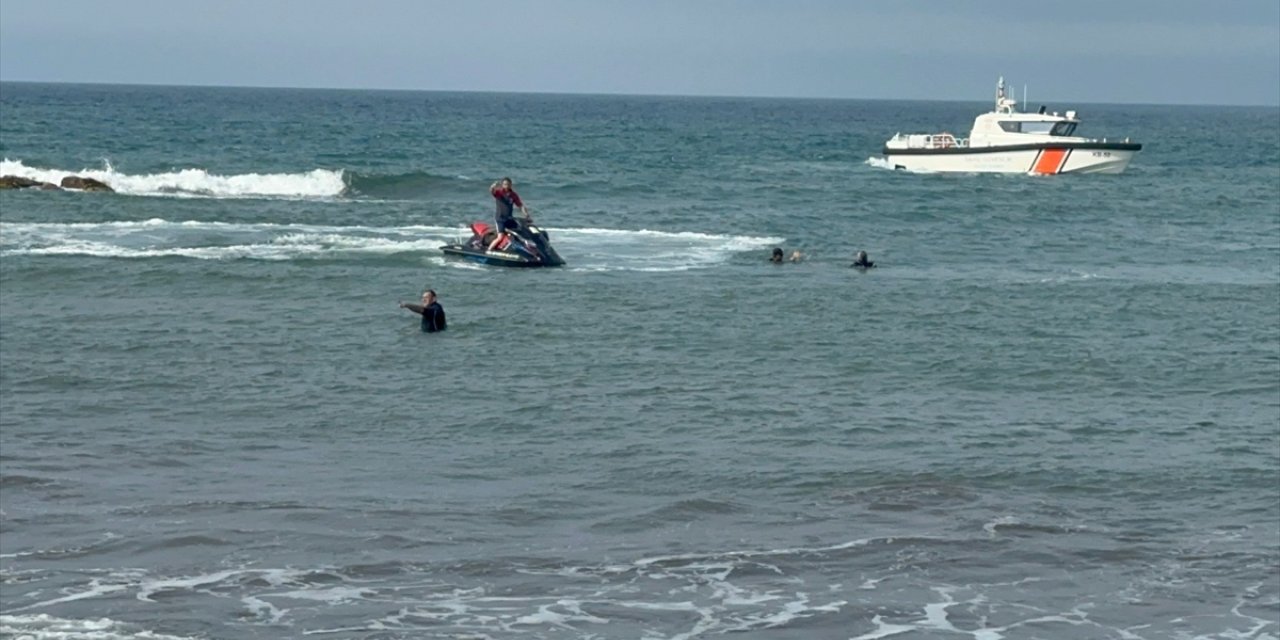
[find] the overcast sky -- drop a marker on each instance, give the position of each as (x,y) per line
(1081,51)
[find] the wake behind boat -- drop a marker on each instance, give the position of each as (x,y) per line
(1008,141)
(525,245)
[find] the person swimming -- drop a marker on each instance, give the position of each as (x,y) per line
(779,256)
(861,261)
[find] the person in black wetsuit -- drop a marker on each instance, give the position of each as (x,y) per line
(860,261)
(430,310)
(777,256)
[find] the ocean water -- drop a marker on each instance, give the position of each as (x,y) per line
(1052,411)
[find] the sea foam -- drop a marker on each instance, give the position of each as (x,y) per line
(195,182)
(47,627)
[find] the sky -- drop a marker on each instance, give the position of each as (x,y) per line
(1224,52)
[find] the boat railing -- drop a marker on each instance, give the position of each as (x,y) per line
(942,140)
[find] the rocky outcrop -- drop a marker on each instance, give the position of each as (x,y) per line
(69,182)
(84,184)
(16,182)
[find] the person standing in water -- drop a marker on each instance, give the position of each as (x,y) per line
(505,197)
(430,310)
(861,261)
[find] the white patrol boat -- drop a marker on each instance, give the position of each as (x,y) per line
(1008,141)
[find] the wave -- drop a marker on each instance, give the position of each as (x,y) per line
(867,589)
(44,626)
(411,185)
(587,249)
(196,182)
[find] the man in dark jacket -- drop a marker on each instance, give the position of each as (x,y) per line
(430,310)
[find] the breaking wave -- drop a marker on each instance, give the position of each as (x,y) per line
(196,182)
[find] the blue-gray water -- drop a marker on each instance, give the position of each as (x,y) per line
(1053,411)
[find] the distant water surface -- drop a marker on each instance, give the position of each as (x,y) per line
(1051,411)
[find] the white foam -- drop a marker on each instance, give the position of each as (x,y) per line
(883,163)
(860,542)
(649,250)
(1250,596)
(46,627)
(686,596)
(1074,277)
(585,249)
(736,596)
(149,588)
(331,595)
(935,613)
(210,240)
(196,182)
(264,610)
(884,630)
(879,163)
(991,527)
(574,613)
(93,590)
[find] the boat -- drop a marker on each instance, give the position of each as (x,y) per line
(524,245)
(1010,141)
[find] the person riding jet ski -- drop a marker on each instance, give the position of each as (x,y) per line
(505,197)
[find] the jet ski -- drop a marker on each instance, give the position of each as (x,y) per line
(524,245)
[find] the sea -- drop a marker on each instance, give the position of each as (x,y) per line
(1051,410)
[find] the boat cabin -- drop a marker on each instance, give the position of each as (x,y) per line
(1005,126)
(1008,127)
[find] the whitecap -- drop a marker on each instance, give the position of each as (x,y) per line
(196,182)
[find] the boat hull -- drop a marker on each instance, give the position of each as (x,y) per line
(1043,159)
(499,258)
(525,245)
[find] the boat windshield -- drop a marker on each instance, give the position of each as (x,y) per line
(1063,129)
(1046,127)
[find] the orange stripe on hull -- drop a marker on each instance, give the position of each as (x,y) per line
(1050,161)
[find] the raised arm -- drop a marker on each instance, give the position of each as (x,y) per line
(416,308)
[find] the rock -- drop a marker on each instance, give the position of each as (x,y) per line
(84,184)
(69,182)
(14,182)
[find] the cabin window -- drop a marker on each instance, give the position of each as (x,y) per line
(1063,129)
(1011,127)
(1038,127)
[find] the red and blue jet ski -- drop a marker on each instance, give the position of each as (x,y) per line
(523,245)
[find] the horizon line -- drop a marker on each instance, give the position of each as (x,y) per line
(591,93)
